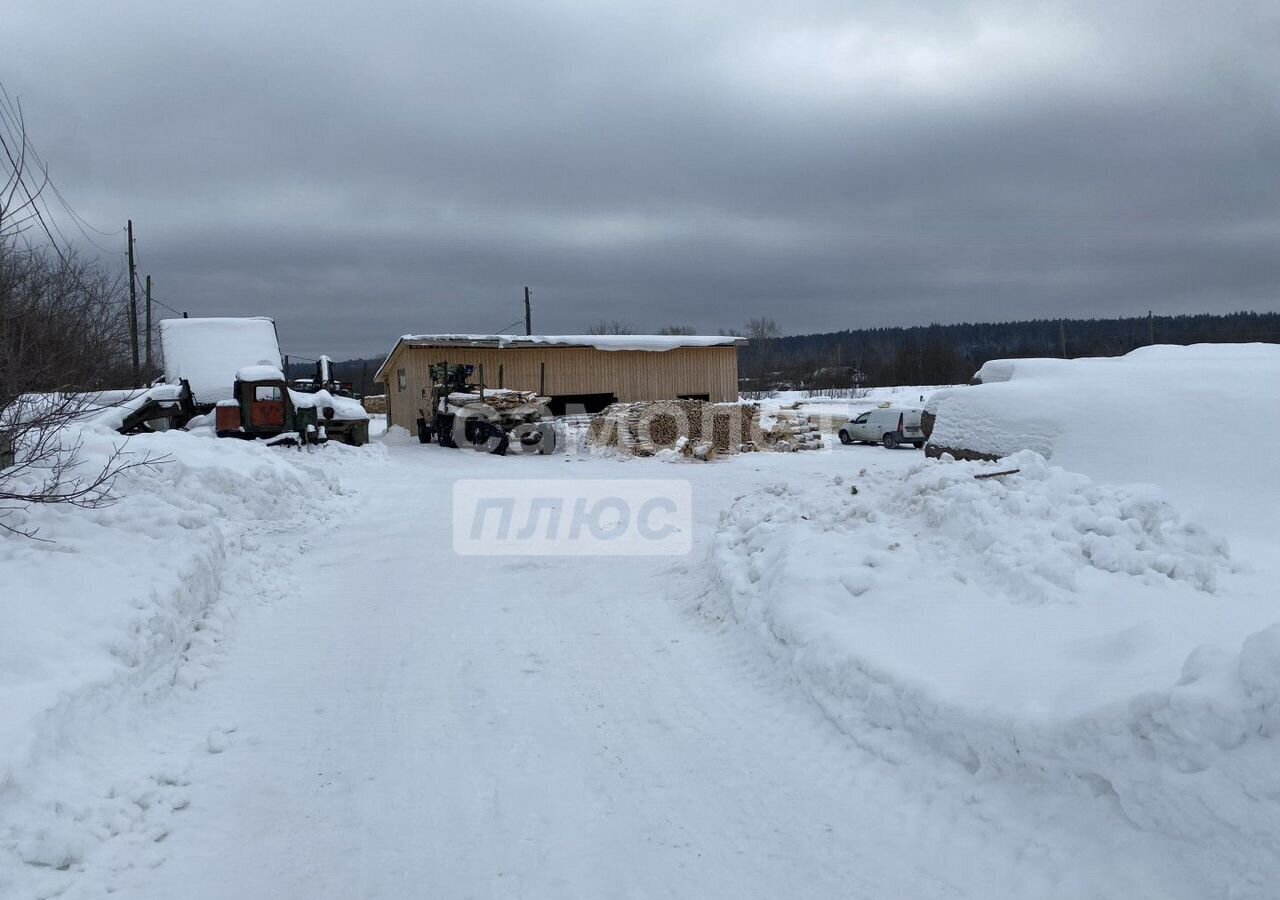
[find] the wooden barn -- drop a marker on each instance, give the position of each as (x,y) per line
(576,371)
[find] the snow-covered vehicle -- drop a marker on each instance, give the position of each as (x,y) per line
(231,367)
(263,406)
(890,426)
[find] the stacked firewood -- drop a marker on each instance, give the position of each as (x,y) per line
(502,400)
(694,427)
(793,431)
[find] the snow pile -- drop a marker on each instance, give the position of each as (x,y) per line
(344,408)
(1196,420)
(1038,629)
(122,602)
(1035,532)
(209,352)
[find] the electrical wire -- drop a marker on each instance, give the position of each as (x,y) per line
(12,118)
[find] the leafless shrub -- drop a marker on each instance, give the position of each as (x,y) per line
(64,332)
(611,326)
(49,466)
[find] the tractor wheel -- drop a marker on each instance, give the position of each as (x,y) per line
(547,445)
(490,438)
(443,427)
(498,446)
(424,431)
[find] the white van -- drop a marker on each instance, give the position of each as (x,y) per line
(890,426)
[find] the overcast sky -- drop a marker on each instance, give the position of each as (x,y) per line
(363,170)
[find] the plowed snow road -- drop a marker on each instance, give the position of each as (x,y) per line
(392,721)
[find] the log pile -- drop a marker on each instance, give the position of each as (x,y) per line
(502,400)
(793,431)
(375,405)
(696,428)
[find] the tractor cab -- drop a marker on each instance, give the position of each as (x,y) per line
(263,406)
(260,405)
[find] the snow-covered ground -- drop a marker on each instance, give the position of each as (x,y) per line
(265,673)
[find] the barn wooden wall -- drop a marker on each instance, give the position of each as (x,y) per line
(629,374)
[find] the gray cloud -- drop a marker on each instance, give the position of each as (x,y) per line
(363,172)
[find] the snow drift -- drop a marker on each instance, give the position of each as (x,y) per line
(123,602)
(1199,421)
(1040,628)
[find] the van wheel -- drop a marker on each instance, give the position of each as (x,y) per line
(890,441)
(919,445)
(844,437)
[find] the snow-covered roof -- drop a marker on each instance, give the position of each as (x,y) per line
(259,373)
(208,352)
(654,343)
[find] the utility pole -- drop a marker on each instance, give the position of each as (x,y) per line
(528,313)
(133,309)
(150,371)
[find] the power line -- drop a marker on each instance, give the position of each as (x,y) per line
(159,302)
(31,200)
(12,118)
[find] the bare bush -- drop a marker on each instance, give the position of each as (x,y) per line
(48,466)
(611,326)
(64,337)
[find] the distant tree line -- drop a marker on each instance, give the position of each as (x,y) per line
(950,354)
(921,354)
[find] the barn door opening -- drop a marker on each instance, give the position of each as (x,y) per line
(562,404)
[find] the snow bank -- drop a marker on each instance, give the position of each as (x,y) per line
(112,601)
(1198,421)
(209,352)
(1040,628)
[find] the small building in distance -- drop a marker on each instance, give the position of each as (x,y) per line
(586,372)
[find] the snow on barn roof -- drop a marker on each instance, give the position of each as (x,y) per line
(209,352)
(655,343)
